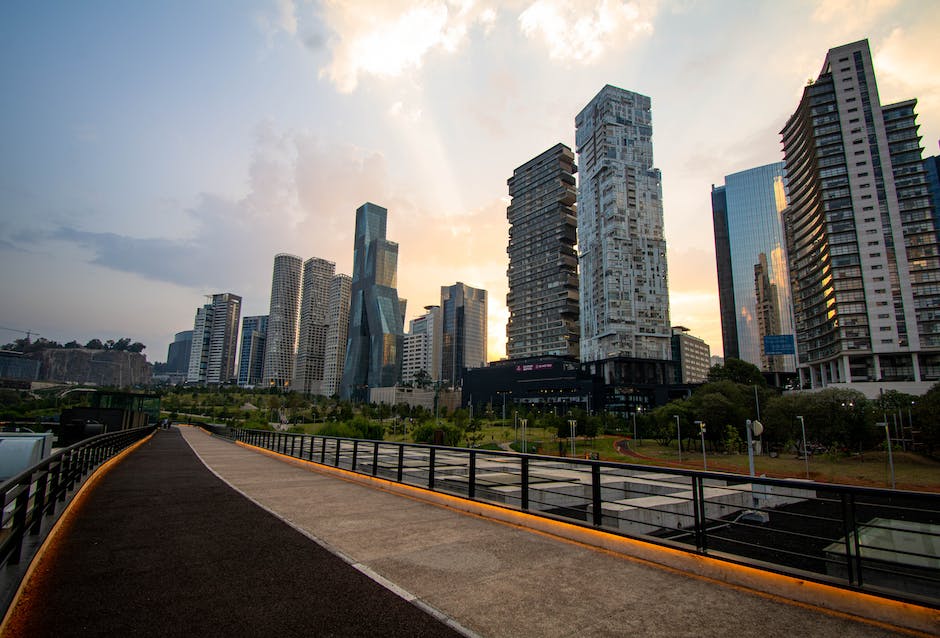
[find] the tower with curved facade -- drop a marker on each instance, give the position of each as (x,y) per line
(281,338)
(376,314)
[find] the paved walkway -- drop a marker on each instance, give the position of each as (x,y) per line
(161,547)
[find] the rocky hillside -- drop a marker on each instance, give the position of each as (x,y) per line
(101,367)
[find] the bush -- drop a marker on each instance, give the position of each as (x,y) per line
(424,433)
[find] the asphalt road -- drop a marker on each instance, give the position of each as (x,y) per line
(161,547)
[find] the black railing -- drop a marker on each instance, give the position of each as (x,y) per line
(38,494)
(885,542)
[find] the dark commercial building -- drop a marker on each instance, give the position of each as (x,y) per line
(932,166)
(177,355)
(463,333)
(376,314)
(543,263)
(251,355)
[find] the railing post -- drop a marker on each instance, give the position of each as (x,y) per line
(313,441)
(375,458)
(19,519)
(472,487)
(698,507)
(401,462)
(39,502)
(431,468)
(323,450)
(848,532)
(338,442)
(525,482)
(598,514)
(355,452)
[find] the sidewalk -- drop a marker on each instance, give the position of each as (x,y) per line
(497,579)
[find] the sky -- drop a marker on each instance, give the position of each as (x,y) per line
(155,153)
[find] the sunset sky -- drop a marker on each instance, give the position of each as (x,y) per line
(153,153)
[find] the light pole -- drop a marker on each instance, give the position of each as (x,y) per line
(754,428)
(525,448)
(890,457)
(679,437)
(572,423)
(515,425)
(805,449)
(701,431)
(634,429)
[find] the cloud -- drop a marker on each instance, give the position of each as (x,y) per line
(851,15)
(389,39)
(581,31)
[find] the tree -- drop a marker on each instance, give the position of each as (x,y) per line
(738,371)
(95,344)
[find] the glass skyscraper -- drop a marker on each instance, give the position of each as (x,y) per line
(251,356)
(624,297)
(753,283)
(463,334)
(376,315)
(281,341)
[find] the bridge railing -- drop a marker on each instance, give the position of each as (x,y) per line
(39,493)
(885,542)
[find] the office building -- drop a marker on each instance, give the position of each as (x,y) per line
(463,331)
(311,342)
(860,234)
(280,344)
(753,283)
(251,354)
(422,347)
(337,332)
(624,300)
(215,339)
(543,264)
(374,350)
(692,354)
(177,354)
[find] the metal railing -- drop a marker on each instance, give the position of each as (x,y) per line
(39,493)
(885,542)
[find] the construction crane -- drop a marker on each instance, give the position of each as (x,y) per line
(28,333)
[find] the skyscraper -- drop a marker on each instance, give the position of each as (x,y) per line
(932,166)
(311,342)
(337,333)
(281,339)
(753,283)
(543,264)
(251,355)
(624,300)
(463,335)
(692,354)
(177,355)
(374,350)
(861,241)
(215,339)
(423,346)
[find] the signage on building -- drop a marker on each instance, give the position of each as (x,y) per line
(779,344)
(533,367)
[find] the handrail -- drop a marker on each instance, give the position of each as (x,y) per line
(835,534)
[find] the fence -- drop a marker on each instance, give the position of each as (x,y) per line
(885,542)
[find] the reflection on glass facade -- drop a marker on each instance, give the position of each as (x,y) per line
(463,310)
(754,287)
(376,326)
(251,357)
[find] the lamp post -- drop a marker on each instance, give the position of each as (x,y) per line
(805,450)
(515,425)
(679,437)
(754,428)
(525,448)
(890,457)
(701,431)
(572,423)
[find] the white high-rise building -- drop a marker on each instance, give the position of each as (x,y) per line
(281,339)
(334,357)
(422,346)
(311,342)
(215,339)
(624,297)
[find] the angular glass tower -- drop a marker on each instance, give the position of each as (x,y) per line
(463,337)
(281,341)
(861,240)
(623,280)
(376,315)
(543,263)
(753,283)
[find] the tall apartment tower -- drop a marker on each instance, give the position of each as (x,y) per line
(624,299)
(281,339)
(543,263)
(311,342)
(374,346)
(215,339)
(337,332)
(422,346)
(463,334)
(753,282)
(861,240)
(251,355)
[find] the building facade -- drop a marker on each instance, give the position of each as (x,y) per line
(309,364)
(861,240)
(932,166)
(753,281)
(624,300)
(336,333)
(543,263)
(251,354)
(422,347)
(177,354)
(692,355)
(215,340)
(280,344)
(463,331)
(376,315)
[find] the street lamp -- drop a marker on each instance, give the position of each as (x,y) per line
(679,437)
(754,428)
(525,448)
(701,431)
(805,449)
(572,423)
(890,457)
